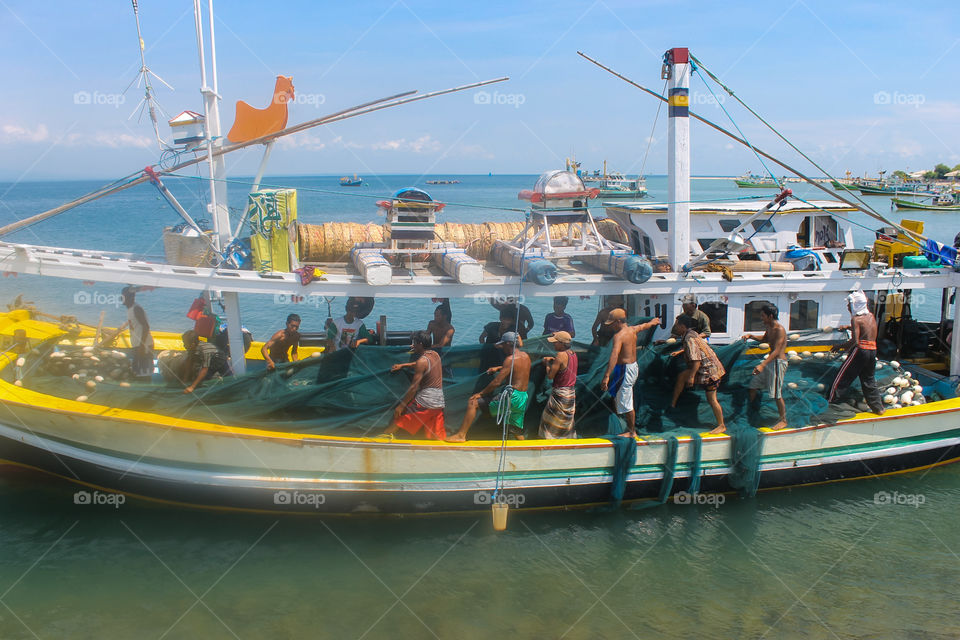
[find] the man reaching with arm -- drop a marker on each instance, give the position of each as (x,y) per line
(623,365)
(287,339)
(862,354)
(422,404)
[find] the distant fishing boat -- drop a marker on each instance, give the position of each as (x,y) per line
(844,186)
(347,181)
(886,189)
(613,185)
(750,181)
(443,182)
(943,202)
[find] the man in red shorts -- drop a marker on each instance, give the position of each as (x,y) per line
(422,404)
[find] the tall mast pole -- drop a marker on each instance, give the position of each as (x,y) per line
(219,212)
(676,70)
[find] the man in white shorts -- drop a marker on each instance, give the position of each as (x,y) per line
(623,365)
(769,374)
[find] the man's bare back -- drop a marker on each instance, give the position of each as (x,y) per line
(864,327)
(625,344)
(521,370)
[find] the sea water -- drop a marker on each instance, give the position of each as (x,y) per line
(877,558)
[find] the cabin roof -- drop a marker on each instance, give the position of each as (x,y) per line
(730,208)
(185,117)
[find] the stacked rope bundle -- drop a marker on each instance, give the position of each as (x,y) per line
(332,241)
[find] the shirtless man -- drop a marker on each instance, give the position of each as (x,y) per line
(861,356)
(623,365)
(770,373)
(422,404)
(287,339)
(516,364)
(440,328)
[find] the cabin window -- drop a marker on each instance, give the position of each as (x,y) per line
(717,312)
(729,225)
(662,224)
(763,225)
(706,242)
(825,231)
(804,314)
(752,321)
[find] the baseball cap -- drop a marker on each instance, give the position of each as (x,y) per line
(509,337)
(614,315)
(560,336)
(688,298)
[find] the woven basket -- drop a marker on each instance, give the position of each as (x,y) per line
(188,251)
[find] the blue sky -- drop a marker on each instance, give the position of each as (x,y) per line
(859,86)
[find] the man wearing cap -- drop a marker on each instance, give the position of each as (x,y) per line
(515,373)
(689,304)
(557,419)
(348,332)
(623,365)
(861,356)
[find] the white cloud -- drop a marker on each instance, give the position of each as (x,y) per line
(13,133)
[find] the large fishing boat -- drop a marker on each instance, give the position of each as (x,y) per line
(304,438)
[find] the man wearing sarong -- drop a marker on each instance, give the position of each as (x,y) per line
(704,369)
(623,365)
(557,419)
(515,373)
(422,405)
(769,374)
(861,355)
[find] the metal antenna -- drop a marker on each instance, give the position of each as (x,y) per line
(148,101)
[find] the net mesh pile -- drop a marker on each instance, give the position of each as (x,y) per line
(353,393)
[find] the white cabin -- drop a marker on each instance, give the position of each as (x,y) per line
(796,224)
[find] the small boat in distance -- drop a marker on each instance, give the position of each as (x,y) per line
(347,181)
(751,181)
(443,182)
(940,202)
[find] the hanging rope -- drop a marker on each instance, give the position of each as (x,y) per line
(653,130)
(504,405)
(736,126)
(773,129)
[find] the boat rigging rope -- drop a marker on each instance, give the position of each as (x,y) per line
(505,404)
(772,128)
(653,130)
(719,102)
(864,208)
